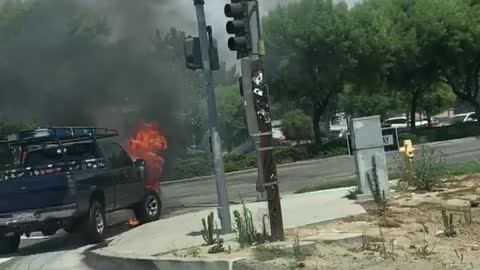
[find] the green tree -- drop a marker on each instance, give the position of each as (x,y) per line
(309,54)
(366,103)
(233,129)
(437,100)
(372,30)
(8,127)
(395,47)
(11,15)
(296,125)
(412,70)
(451,29)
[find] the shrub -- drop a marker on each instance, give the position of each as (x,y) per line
(296,125)
(291,154)
(247,234)
(376,190)
(192,167)
(329,149)
(207,231)
(425,134)
(201,165)
(425,170)
(448,224)
(235,163)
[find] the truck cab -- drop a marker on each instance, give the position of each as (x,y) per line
(68,178)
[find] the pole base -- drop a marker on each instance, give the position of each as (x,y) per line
(364,198)
(261,197)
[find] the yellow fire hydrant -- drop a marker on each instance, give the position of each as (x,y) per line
(408,150)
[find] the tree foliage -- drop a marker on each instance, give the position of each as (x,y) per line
(363,103)
(296,125)
(379,57)
(232,116)
(439,98)
(309,55)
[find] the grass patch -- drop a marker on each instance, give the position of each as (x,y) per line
(471,167)
(262,253)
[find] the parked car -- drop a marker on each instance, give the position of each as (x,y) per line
(68,178)
(402,122)
(433,122)
(464,118)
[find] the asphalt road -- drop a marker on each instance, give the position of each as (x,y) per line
(65,252)
(292,178)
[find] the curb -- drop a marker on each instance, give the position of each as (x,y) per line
(105,260)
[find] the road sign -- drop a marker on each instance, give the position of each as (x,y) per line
(390,140)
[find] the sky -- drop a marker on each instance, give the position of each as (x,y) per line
(163,14)
(128,16)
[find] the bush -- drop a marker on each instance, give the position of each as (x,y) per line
(297,126)
(200,165)
(291,154)
(192,167)
(208,230)
(378,194)
(457,131)
(329,149)
(235,163)
(425,170)
(245,228)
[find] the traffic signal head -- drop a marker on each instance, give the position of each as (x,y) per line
(193,54)
(239,26)
(237,9)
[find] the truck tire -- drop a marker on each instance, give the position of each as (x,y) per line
(94,224)
(149,209)
(9,244)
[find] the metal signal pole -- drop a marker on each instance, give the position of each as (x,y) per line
(224,208)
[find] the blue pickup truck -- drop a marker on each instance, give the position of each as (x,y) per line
(68,178)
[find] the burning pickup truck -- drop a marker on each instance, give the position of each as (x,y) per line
(68,178)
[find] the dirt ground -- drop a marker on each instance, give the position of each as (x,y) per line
(412,229)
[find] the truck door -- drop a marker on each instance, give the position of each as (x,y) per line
(128,184)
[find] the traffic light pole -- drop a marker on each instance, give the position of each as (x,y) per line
(224,208)
(258,109)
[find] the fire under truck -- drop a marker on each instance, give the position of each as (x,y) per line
(68,178)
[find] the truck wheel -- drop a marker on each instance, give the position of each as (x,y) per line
(9,244)
(94,226)
(149,209)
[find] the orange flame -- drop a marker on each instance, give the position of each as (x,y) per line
(133,222)
(149,144)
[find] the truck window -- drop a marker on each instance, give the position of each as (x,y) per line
(116,156)
(55,155)
(43,157)
(81,151)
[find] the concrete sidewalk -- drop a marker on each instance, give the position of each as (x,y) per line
(183,231)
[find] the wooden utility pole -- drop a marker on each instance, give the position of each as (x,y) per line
(250,49)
